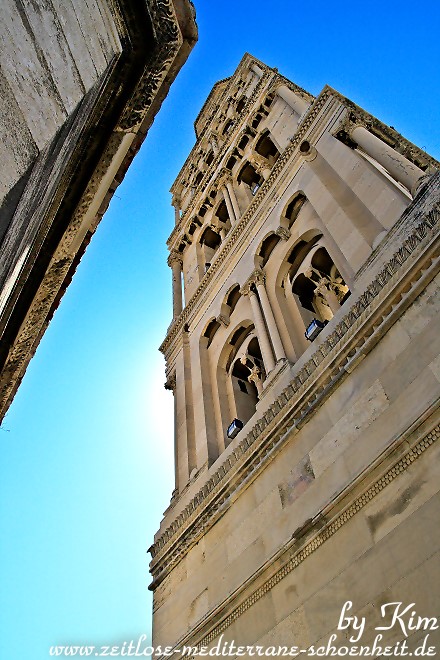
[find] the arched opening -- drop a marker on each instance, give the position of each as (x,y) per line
(233,297)
(210,331)
(293,208)
(240,105)
(250,177)
(227,128)
(317,282)
(266,248)
(246,375)
(266,148)
(209,158)
(243,142)
(198,178)
(210,242)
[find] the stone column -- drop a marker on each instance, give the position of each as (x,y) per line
(400,168)
(214,145)
(277,344)
(256,69)
(231,191)
(171,385)
(176,203)
(297,104)
(229,206)
(175,263)
(263,338)
(362,218)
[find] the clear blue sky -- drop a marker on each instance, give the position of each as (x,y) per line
(86,448)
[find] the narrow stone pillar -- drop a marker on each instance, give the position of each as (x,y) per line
(171,385)
(400,168)
(214,145)
(175,263)
(297,104)
(229,206)
(363,220)
(263,338)
(231,191)
(268,315)
(176,203)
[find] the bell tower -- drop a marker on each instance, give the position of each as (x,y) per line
(297,219)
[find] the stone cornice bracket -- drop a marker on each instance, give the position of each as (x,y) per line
(170,383)
(174,257)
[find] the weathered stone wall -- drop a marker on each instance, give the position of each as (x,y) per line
(80,85)
(51,54)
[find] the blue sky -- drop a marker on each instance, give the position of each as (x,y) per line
(87,446)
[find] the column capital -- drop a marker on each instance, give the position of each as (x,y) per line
(224,177)
(283,233)
(174,257)
(258,277)
(246,289)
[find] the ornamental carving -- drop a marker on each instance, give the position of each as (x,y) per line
(168,42)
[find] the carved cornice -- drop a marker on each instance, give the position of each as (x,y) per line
(359,117)
(168,42)
(410,268)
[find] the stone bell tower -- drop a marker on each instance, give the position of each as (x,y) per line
(303,360)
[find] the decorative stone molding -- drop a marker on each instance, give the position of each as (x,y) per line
(169,40)
(357,117)
(374,311)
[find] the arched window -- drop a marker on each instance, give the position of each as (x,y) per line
(266,148)
(243,142)
(246,374)
(293,209)
(210,242)
(250,176)
(318,283)
(241,104)
(227,128)
(210,331)
(266,248)
(233,297)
